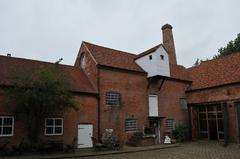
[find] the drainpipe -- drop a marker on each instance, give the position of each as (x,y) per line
(98,105)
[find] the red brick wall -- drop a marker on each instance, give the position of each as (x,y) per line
(87,113)
(230,92)
(133,89)
(169,102)
(90,67)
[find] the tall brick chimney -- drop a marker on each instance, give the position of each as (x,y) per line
(168,42)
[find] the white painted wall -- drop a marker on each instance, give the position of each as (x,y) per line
(153,105)
(156,66)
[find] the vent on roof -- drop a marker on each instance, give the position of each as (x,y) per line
(8,55)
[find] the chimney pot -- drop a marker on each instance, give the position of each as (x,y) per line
(166,26)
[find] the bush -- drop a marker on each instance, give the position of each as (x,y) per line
(181,133)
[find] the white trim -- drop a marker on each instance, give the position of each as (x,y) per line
(54,134)
(90,53)
(7,135)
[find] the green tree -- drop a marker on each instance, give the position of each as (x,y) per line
(232,47)
(39,94)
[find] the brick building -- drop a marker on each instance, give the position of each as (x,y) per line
(128,93)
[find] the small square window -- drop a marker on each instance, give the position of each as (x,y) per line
(162,57)
(169,124)
(6,125)
(130,124)
(54,126)
(113,98)
(150,57)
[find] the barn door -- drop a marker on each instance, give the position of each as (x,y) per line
(85,132)
(194,122)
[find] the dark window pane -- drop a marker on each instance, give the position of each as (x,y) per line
(202,108)
(211,108)
(220,125)
(7,130)
(58,121)
(58,130)
(211,115)
(219,108)
(49,122)
(203,125)
(49,130)
(202,115)
(7,121)
(1,120)
(220,115)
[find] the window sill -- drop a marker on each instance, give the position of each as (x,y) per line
(11,135)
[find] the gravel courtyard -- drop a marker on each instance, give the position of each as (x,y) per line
(195,150)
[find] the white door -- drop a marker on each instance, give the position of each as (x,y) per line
(85,132)
(153,105)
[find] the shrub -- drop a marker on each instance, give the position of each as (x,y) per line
(181,133)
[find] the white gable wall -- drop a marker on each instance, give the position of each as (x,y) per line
(156,66)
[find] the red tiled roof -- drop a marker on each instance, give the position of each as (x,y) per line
(11,66)
(113,58)
(215,72)
(179,72)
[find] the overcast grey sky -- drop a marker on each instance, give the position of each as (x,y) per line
(50,29)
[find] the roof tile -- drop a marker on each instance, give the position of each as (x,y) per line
(215,72)
(113,58)
(11,66)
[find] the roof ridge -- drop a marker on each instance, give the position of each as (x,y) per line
(148,51)
(216,59)
(34,60)
(109,48)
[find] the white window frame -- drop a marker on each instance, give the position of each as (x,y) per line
(54,126)
(111,96)
(2,126)
(128,129)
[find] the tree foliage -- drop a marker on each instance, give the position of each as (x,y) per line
(39,94)
(232,47)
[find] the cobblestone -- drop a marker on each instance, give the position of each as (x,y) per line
(194,150)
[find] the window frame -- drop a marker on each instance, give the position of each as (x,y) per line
(167,124)
(2,126)
(150,57)
(130,129)
(110,101)
(54,126)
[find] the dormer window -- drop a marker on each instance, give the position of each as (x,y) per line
(150,57)
(162,57)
